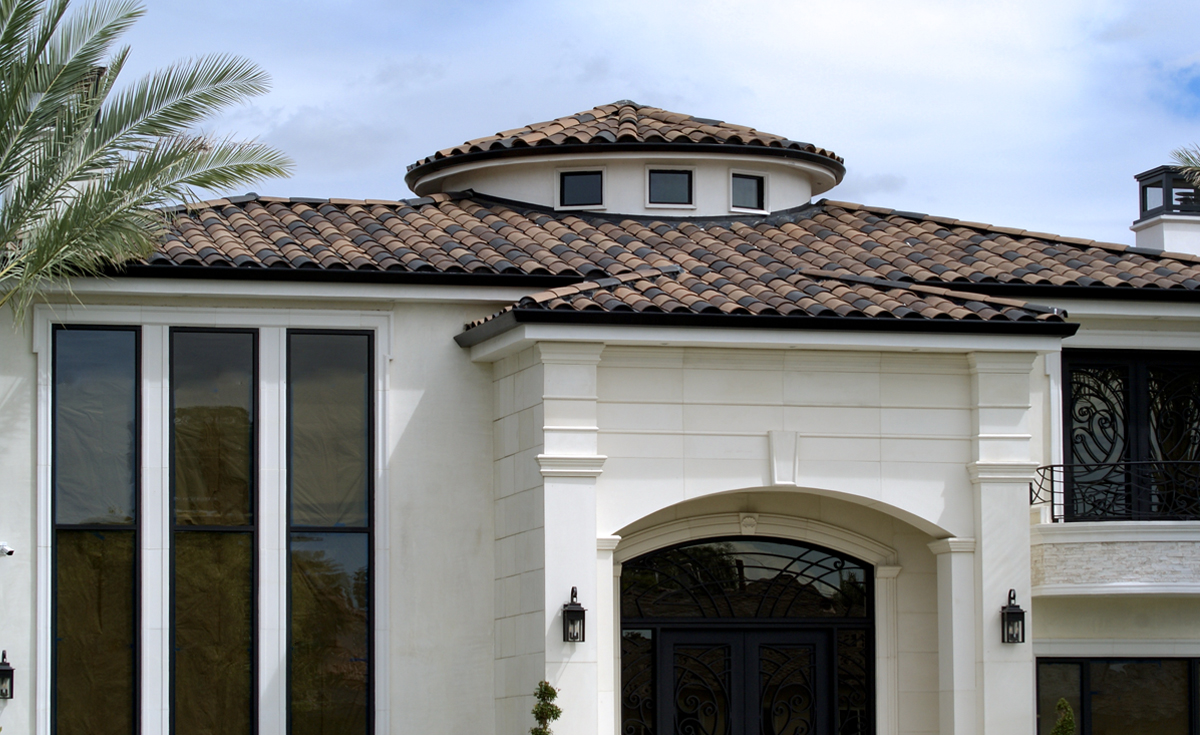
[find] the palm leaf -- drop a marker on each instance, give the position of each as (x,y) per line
(85,167)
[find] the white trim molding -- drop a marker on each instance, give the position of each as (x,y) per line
(581,465)
(1162,589)
(1089,647)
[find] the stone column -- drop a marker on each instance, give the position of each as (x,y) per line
(887,657)
(956,634)
(570,465)
(608,636)
(1001,473)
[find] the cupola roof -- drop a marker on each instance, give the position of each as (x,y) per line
(624,126)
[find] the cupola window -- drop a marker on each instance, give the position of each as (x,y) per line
(747,192)
(581,189)
(670,186)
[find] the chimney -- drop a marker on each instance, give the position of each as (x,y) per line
(1169,212)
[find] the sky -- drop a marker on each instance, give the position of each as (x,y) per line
(1032,113)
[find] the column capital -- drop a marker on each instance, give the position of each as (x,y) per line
(953,546)
(569,353)
(1002,471)
(571,465)
(1001,362)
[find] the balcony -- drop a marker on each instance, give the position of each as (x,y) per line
(1149,490)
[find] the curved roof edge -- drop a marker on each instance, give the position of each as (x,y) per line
(627,126)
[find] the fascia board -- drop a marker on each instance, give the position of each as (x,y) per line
(1122,309)
(526,335)
(290,290)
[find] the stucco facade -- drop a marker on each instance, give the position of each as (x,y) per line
(532,457)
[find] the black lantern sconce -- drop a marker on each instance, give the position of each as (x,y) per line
(1012,621)
(6,677)
(573,614)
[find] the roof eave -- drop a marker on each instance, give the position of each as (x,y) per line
(513,317)
(836,168)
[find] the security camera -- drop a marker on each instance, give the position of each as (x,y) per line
(8,550)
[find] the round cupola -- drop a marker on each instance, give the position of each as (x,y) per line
(631,159)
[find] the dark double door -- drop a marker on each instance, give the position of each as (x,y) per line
(743,682)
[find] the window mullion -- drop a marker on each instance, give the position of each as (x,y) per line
(155,533)
(272,533)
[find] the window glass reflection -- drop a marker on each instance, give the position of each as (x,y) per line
(94,643)
(330,641)
(95,426)
(329,413)
(740,578)
(212,379)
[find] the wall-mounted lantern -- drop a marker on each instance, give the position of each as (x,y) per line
(6,677)
(572,614)
(1012,621)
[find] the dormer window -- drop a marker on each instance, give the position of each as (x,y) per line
(670,187)
(748,191)
(581,188)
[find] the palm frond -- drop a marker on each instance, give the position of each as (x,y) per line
(83,165)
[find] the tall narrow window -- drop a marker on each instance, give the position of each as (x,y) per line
(212,540)
(330,496)
(95,471)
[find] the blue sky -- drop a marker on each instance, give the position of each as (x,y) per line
(1032,114)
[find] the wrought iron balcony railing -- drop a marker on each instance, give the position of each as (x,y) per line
(1151,490)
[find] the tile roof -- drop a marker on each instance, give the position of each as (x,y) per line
(625,122)
(827,260)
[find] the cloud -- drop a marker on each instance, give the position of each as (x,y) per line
(1025,113)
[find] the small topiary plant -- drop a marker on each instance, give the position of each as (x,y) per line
(1066,719)
(545,711)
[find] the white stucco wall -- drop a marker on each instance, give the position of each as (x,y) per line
(534,179)
(18,473)
(434,582)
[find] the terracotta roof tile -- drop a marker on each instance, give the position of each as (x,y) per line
(625,121)
(825,259)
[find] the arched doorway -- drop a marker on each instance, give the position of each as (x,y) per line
(746,636)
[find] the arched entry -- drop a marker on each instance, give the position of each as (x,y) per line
(746,636)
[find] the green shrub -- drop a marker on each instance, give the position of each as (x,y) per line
(545,711)
(1066,719)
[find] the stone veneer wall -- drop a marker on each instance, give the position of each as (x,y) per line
(1087,563)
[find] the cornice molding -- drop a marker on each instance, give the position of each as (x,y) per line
(1002,471)
(568,465)
(953,546)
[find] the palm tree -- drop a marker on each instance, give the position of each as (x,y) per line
(85,168)
(1188,161)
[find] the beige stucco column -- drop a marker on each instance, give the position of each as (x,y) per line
(956,634)
(1000,473)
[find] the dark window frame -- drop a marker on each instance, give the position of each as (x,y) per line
(135,527)
(691,186)
(289,529)
(562,188)
(762,191)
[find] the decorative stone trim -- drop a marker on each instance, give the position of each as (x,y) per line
(784,451)
(1117,588)
(1142,647)
(1003,471)
(953,546)
(1115,532)
(584,465)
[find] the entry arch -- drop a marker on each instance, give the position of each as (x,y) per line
(883,558)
